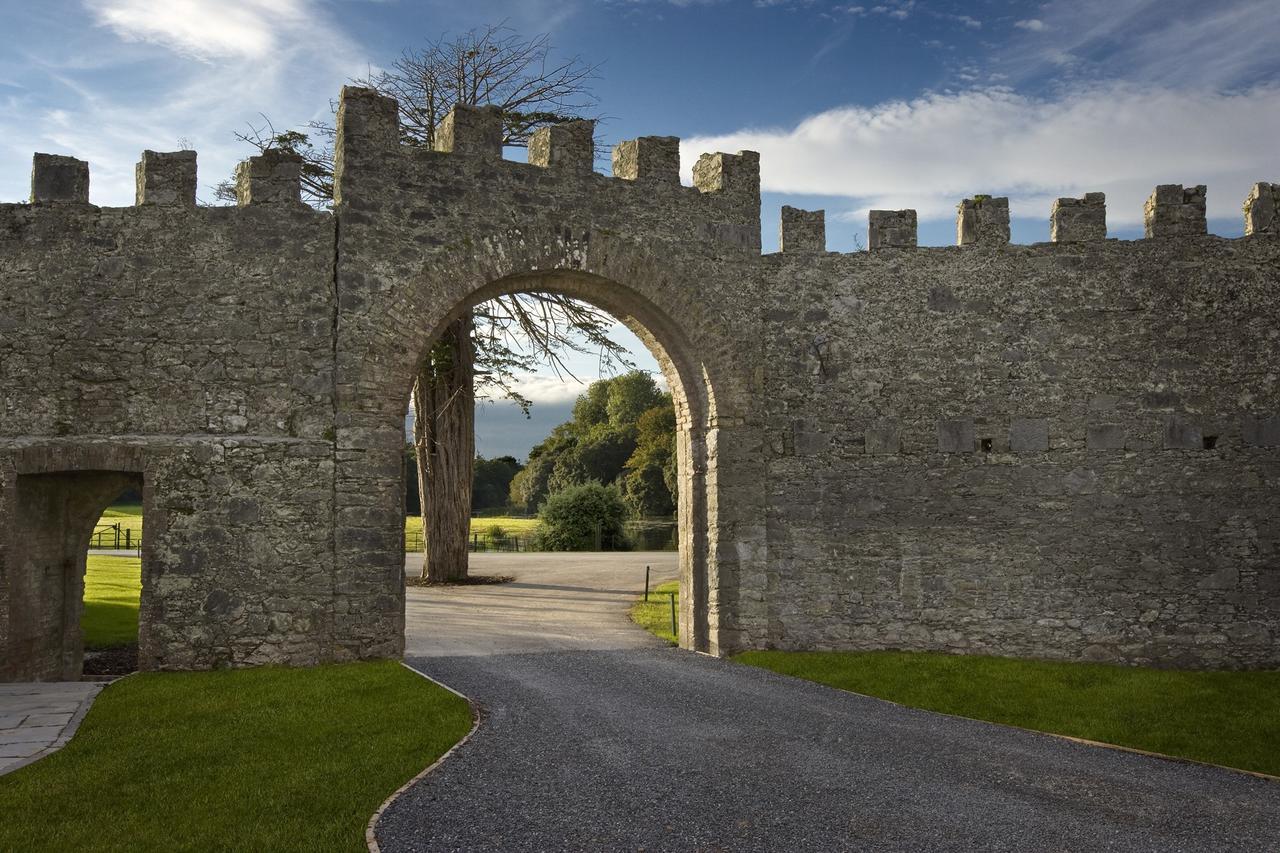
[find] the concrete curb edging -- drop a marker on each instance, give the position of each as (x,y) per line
(370,839)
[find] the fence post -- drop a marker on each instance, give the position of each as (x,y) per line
(646,583)
(128,536)
(675,627)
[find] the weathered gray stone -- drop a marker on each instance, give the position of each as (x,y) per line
(1029,435)
(1262,210)
(58,178)
(569,146)
(1180,433)
(471,131)
(1105,437)
(1175,211)
(891,229)
(956,435)
(982,221)
(252,382)
(648,158)
(273,177)
(802,230)
(1079,220)
(166,179)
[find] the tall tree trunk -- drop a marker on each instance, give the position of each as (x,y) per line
(445,441)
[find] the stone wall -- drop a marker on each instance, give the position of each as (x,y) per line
(1064,450)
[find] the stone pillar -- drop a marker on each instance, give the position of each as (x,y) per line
(1079,220)
(272,177)
(736,174)
(648,158)
(368,127)
(1262,210)
(568,146)
(166,179)
(1175,211)
(58,178)
(473,131)
(891,229)
(982,221)
(802,230)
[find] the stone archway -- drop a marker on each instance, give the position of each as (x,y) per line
(720,537)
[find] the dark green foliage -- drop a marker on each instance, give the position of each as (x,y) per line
(622,433)
(492,481)
(587,517)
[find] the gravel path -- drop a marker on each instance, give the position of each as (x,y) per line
(658,749)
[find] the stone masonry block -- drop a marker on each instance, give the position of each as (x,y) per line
(166,179)
(648,158)
(1029,435)
(1260,431)
(569,146)
(58,178)
(1079,220)
(883,437)
(956,435)
(1104,437)
(472,131)
(272,177)
(891,229)
(1176,211)
(1262,210)
(802,230)
(982,221)
(737,174)
(1182,434)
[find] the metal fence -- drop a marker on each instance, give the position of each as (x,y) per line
(115,537)
(641,536)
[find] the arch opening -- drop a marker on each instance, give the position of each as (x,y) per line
(58,514)
(693,400)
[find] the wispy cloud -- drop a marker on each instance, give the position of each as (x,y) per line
(930,152)
(1034,25)
(165,70)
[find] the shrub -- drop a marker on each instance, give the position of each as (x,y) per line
(583,518)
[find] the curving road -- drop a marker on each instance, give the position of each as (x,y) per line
(593,736)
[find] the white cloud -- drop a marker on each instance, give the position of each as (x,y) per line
(1035,25)
(234,63)
(205,29)
(929,153)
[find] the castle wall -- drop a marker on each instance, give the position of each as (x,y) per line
(1062,450)
(1067,450)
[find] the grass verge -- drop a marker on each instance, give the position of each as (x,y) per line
(258,759)
(112,588)
(654,615)
(1228,718)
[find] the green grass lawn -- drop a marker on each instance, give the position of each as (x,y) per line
(112,586)
(511,524)
(1229,718)
(259,759)
(654,615)
(128,516)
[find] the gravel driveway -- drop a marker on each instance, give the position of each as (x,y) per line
(635,746)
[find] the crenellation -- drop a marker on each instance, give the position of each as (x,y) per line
(802,230)
(471,131)
(166,179)
(1262,210)
(982,221)
(58,178)
(1079,220)
(272,177)
(568,146)
(891,229)
(648,158)
(733,174)
(1176,211)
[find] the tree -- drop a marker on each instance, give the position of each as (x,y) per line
(493,481)
(648,484)
(507,335)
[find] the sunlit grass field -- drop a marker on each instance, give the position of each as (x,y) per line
(112,587)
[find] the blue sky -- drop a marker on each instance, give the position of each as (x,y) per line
(901,103)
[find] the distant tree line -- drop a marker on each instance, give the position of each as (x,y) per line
(623,435)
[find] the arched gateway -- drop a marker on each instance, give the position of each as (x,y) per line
(1064,450)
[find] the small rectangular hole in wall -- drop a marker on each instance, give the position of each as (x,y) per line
(985,444)
(1210,442)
